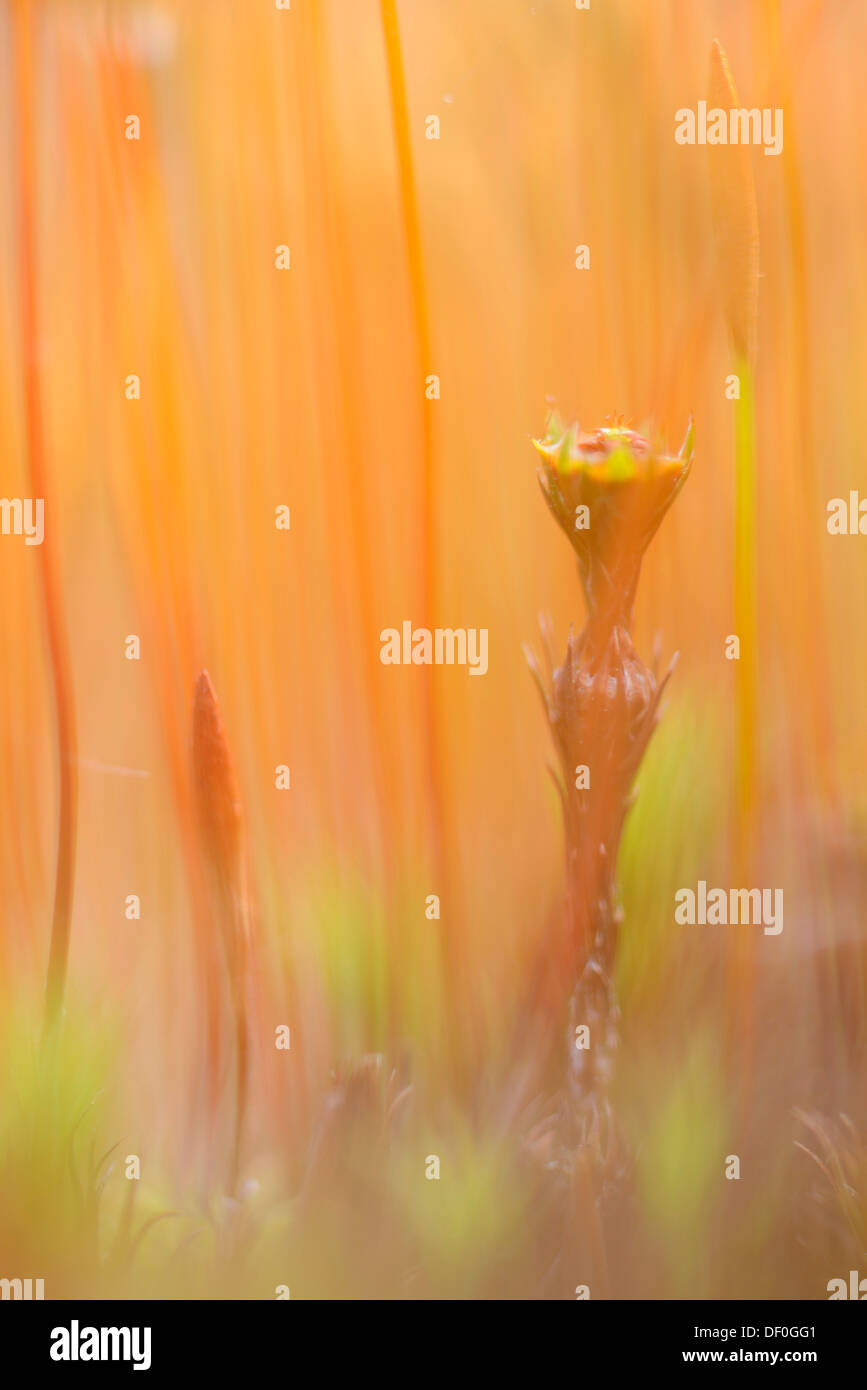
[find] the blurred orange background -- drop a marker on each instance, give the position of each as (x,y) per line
(304,387)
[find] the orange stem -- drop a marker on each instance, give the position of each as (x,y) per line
(412,233)
(48,565)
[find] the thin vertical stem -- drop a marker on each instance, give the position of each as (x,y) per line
(48,565)
(221,841)
(421,321)
(812,603)
(735,214)
(745,609)
(746,685)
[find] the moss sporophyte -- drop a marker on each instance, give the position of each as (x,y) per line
(608,491)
